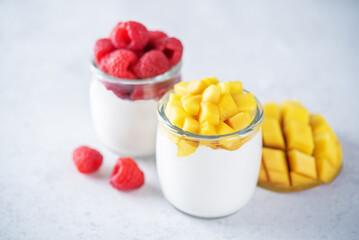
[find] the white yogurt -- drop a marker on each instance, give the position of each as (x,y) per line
(208,183)
(127,127)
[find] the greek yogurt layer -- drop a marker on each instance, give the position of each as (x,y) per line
(127,127)
(208,183)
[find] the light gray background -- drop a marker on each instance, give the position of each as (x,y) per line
(305,50)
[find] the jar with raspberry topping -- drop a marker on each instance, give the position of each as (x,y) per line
(124,110)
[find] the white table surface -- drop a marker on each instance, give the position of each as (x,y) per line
(305,50)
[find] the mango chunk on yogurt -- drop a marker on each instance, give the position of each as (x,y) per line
(209,107)
(312,153)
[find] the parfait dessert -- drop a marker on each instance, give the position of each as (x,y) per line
(132,69)
(209,145)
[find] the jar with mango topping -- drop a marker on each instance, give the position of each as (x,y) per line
(209,146)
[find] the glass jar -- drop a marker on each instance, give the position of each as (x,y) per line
(217,179)
(124,110)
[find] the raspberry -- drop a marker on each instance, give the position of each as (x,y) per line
(87,160)
(153,37)
(119,63)
(131,35)
(153,91)
(151,64)
(172,48)
(120,90)
(126,175)
(102,47)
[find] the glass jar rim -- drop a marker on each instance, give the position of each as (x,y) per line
(244,132)
(160,78)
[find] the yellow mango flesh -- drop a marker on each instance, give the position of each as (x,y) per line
(222,128)
(191,125)
(325,147)
(298,179)
(191,104)
(279,178)
(312,151)
(206,128)
(299,114)
(302,163)
(227,107)
(206,107)
(239,121)
(299,136)
(196,87)
(262,174)
(326,172)
(225,87)
(245,102)
(209,112)
(236,87)
(181,88)
(274,160)
(186,148)
(210,80)
(212,94)
(272,110)
(272,133)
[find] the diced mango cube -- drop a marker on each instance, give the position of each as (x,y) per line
(209,112)
(272,133)
(171,108)
(325,147)
(196,87)
(302,163)
(227,107)
(191,103)
(326,172)
(272,110)
(279,178)
(236,87)
(223,128)
(296,113)
(232,142)
(262,174)
(239,121)
(186,147)
(177,116)
(225,87)
(245,102)
(300,180)
(299,136)
(191,125)
(207,128)
(211,94)
(274,160)
(180,88)
(210,80)
(174,97)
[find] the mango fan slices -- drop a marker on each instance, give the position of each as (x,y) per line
(300,150)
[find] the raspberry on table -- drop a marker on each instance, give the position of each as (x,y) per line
(131,35)
(126,175)
(86,159)
(171,47)
(119,63)
(102,47)
(151,64)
